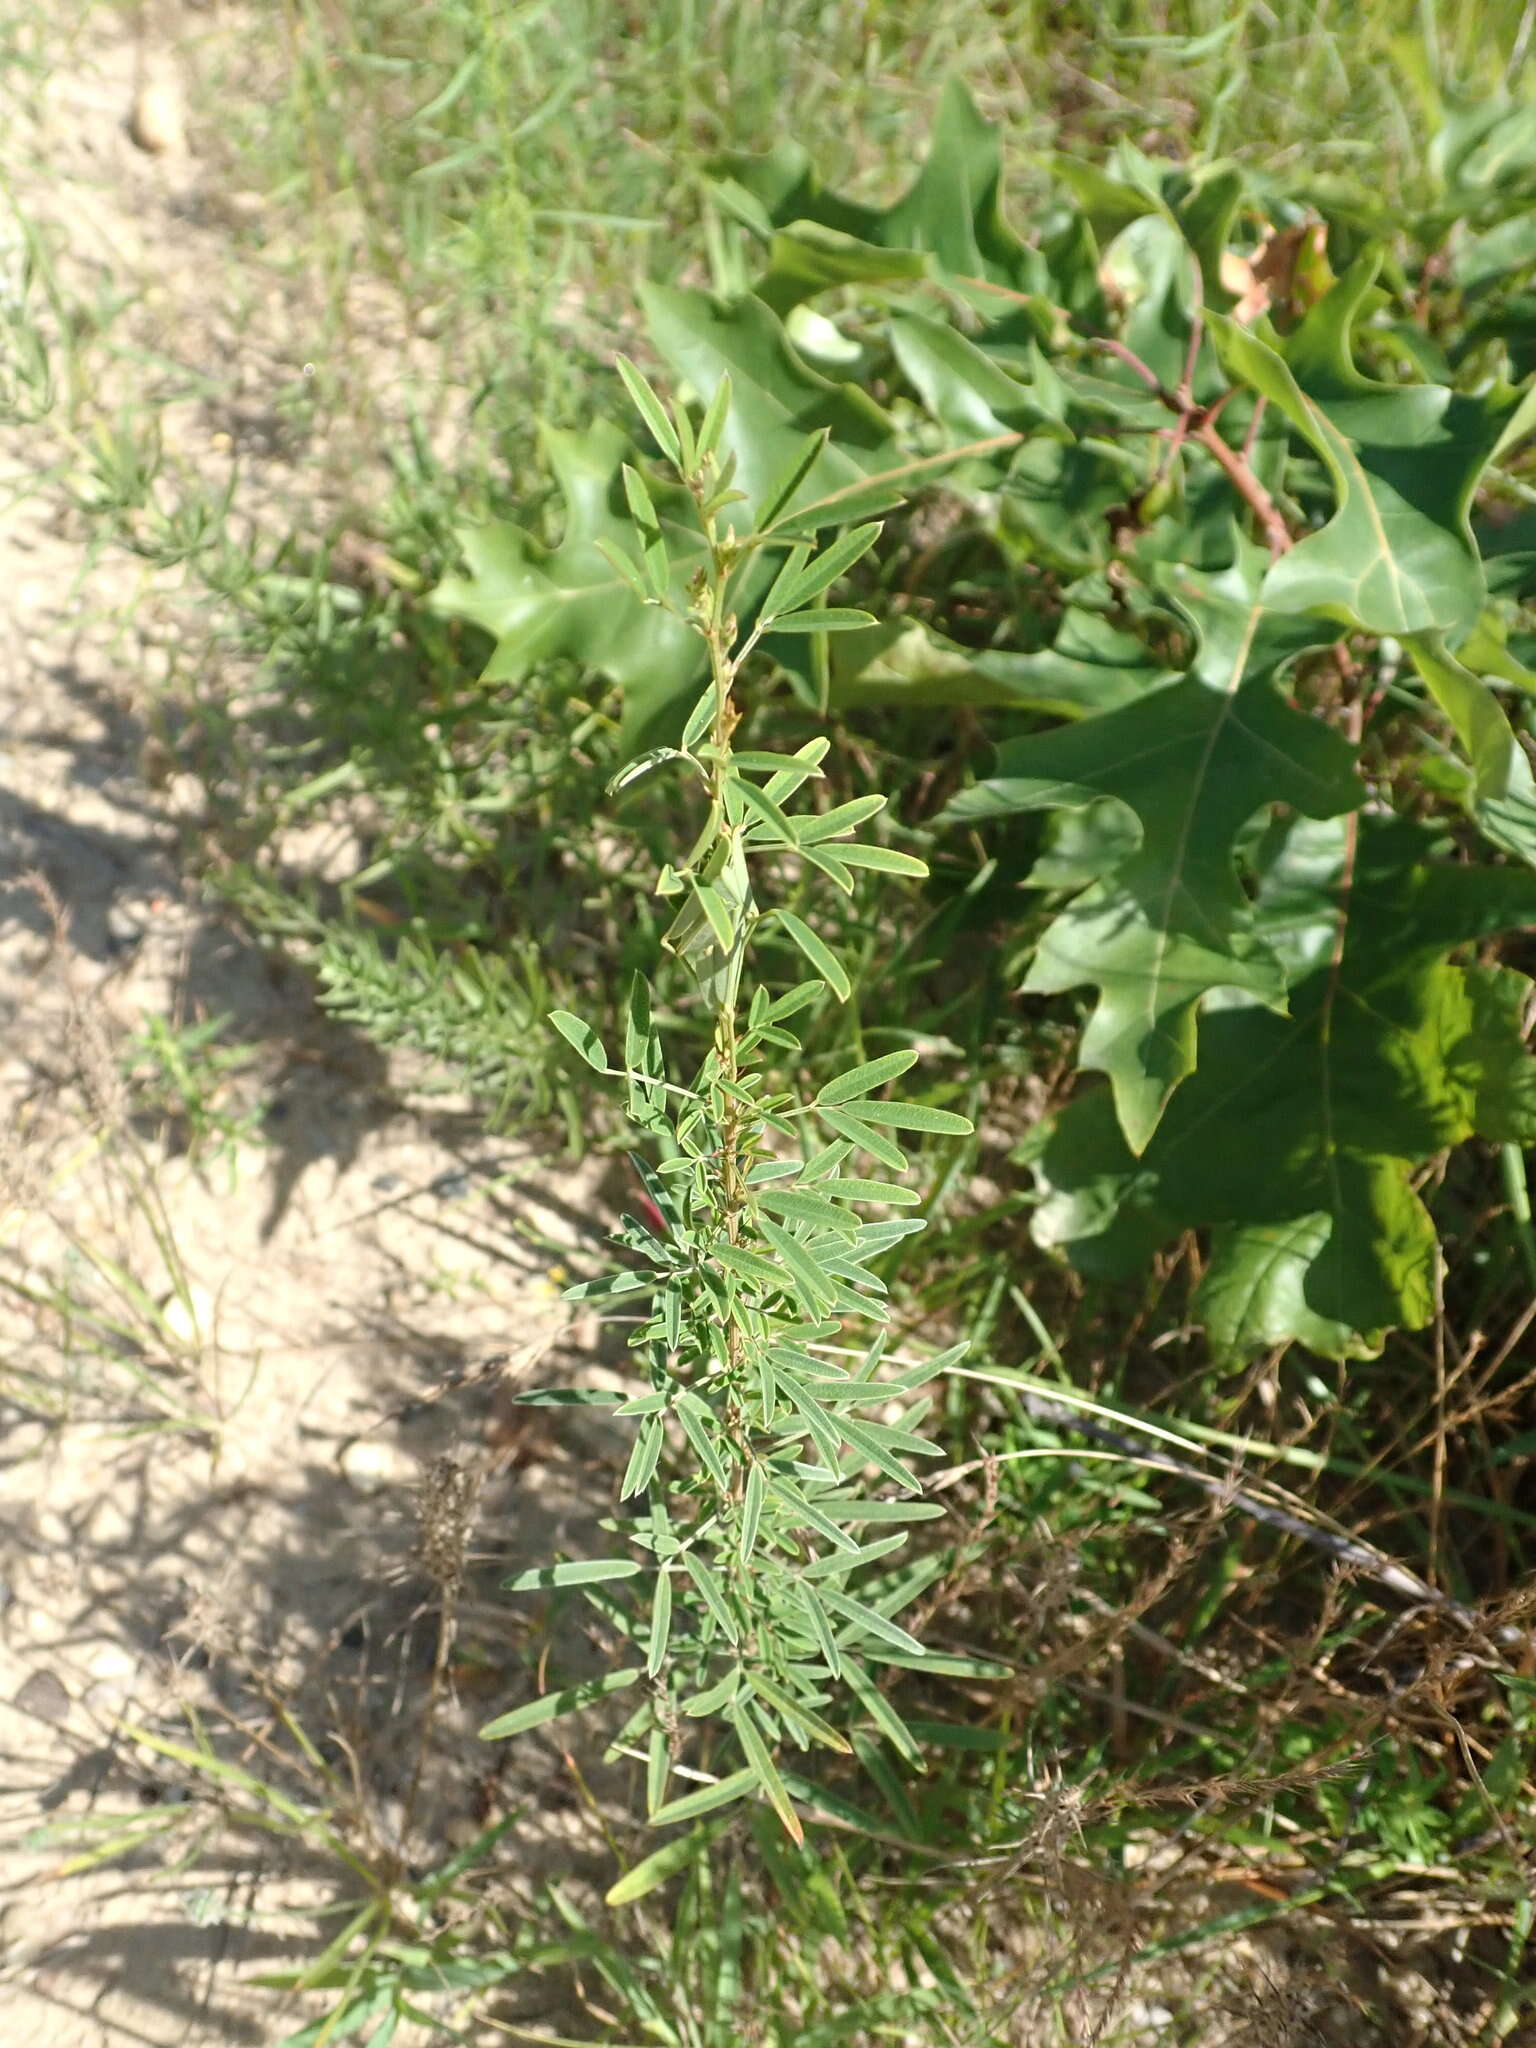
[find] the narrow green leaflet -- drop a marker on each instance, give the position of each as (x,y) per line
(712,1592)
(644,1458)
(711,929)
(1192,762)
(830,619)
(824,569)
(864,1621)
(691,1804)
(841,1562)
(841,818)
(795,1712)
(658,1768)
(572,1397)
(817,952)
(650,408)
(643,765)
(582,1036)
(938,1665)
(883,860)
(862,1134)
(851,1189)
(883,1510)
(797,1206)
(749,1265)
(590,1571)
(779,832)
(821,1622)
(756,1751)
(654,1870)
(554,1704)
(884,1715)
(661,1624)
(697,1423)
(914,1116)
(751,1512)
(866,1079)
(867,1442)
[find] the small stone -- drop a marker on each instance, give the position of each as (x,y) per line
(188,1314)
(112,1662)
(105,1700)
(43,1696)
(125,929)
(372,1464)
(158,121)
(1144,2012)
(186,795)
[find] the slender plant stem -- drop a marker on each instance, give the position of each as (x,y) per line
(1199,423)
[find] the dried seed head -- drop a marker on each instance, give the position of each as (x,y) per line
(445,1508)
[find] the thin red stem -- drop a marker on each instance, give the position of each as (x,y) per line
(1253,494)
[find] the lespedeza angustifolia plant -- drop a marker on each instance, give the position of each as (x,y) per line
(767,1505)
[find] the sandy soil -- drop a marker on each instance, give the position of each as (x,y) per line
(205,1499)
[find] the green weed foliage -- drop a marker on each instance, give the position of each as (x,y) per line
(750,1608)
(1231,492)
(1230,577)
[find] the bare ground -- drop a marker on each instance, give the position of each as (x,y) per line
(204,1499)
